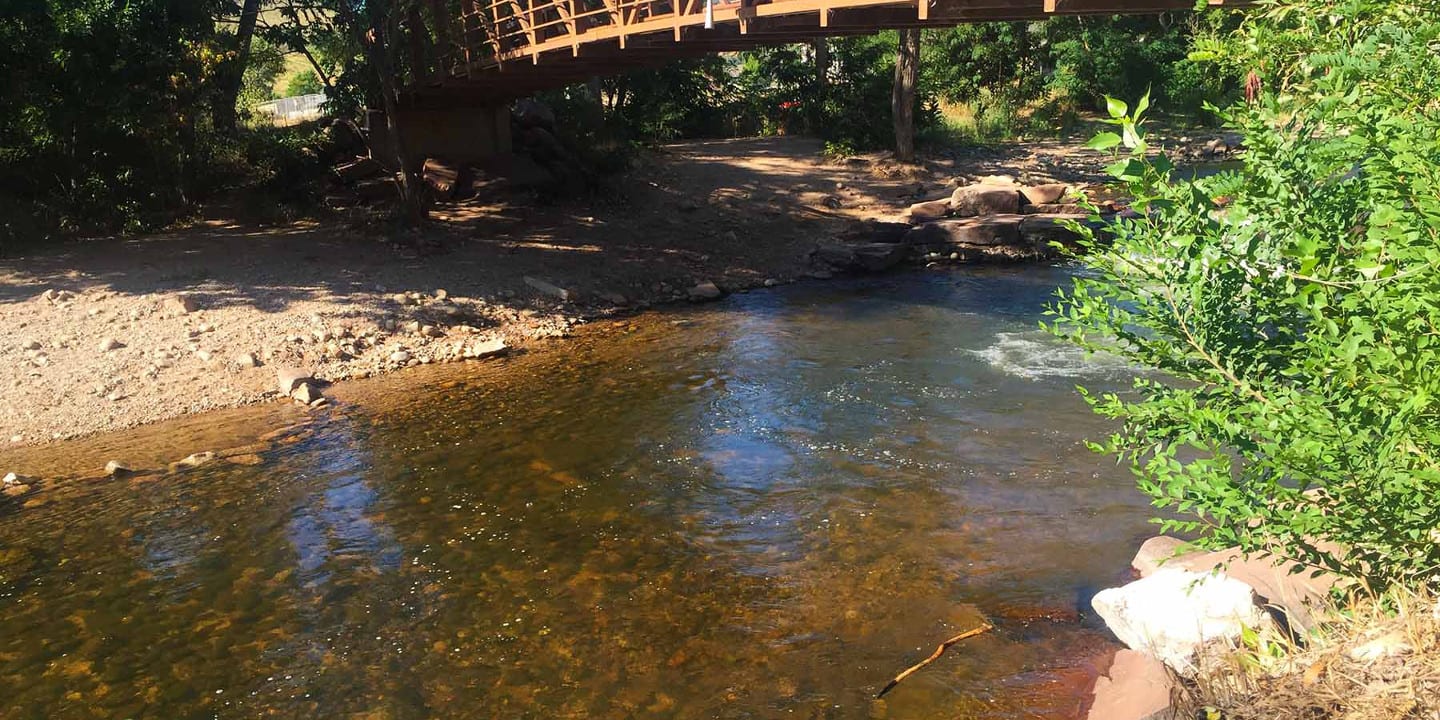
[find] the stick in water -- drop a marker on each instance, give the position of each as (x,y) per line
(972,632)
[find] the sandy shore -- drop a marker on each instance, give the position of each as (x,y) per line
(107,334)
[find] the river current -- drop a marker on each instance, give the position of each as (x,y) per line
(761,508)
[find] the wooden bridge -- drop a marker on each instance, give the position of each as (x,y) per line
(494,50)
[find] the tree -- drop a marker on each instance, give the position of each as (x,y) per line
(902,99)
(1289,310)
(230,74)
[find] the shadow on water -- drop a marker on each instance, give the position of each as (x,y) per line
(763,508)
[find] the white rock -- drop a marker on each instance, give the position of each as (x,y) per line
(1175,614)
(109,344)
(290,378)
(306,393)
(204,355)
(400,356)
(705,291)
(487,348)
(246,360)
(32,345)
(549,288)
(115,468)
(14,479)
(193,460)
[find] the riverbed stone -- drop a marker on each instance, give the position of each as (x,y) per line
(1176,615)
(1042,194)
(705,290)
(14,479)
(986,199)
(115,468)
(246,360)
(550,289)
(988,231)
(288,378)
(192,460)
(1137,687)
(488,347)
(1294,594)
(108,344)
(306,392)
(1155,553)
(928,210)
(1040,230)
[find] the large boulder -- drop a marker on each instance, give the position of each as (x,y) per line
(1043,194)
(991,231)
(986,199)
(1179,616)
(871,230)
(1039,231)
(1137,687)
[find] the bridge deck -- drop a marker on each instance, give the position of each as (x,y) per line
(499,49)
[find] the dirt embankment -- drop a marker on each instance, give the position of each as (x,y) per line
(107,334)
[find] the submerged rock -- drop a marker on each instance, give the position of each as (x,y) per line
(1137,687)
(705,291)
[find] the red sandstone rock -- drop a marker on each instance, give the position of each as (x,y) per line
(1137,687)
(986,200)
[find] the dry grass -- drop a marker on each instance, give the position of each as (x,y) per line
(1370,659)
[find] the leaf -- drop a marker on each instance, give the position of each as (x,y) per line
(1142,106)
(1116,108)
(1103,141)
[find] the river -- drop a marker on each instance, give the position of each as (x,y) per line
(765,507)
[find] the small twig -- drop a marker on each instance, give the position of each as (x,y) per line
(972,632)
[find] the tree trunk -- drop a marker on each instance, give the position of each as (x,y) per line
(232,77)
(822,62)
(902,97)
(378,51)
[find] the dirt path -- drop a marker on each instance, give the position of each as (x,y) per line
(108,334)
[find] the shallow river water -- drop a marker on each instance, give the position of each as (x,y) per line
(762,508)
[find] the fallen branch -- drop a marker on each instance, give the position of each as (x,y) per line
(972,632)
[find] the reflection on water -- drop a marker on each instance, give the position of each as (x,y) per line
(765,510)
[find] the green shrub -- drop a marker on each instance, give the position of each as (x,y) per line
(1295,331)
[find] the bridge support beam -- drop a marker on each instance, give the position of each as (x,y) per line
(460,134)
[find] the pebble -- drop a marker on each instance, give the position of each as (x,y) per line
(204,355)
(400,356)
(14,479)
(32,345)
(115,468)
(246,360)
(109,344)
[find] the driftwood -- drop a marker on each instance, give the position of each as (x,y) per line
(972,632)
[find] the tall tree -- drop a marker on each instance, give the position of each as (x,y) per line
(902,97)
(231,73)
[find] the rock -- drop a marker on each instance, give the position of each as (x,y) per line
(614,298)
(432,331)
(15,479)
(929,210)
(706,290)
(875,231)
(549,289)
(116,469)
(997,180)
(245,459)
(447,180)
(486,348)
(15,491)
(1292,594)
(1058,209)
(184,304)
(193,460)
(204,355)
(109,344)
(985,200)
(1039,231)
(246,360)
(305,392)
(441,294)
(975,231)
(1175,615)
(399,356)
(1137,687)
(1042,194)
(413,327)
(1154,553)
(771,282)
(289,378)
(1391,644)
(877,257)
(33,345)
